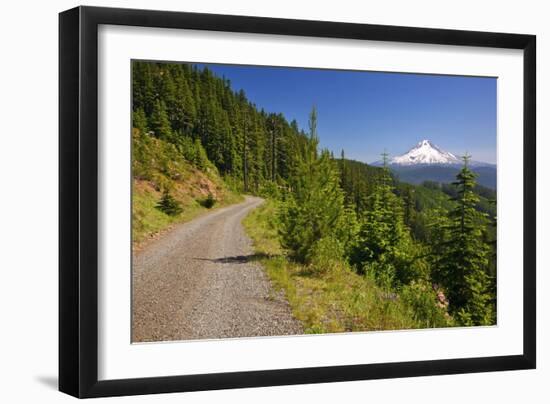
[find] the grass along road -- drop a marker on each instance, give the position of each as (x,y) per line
(203,280)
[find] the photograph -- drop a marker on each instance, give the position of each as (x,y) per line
(281,201)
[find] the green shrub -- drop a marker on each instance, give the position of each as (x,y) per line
(383,272)
(208,202)
(270,189)
(421,300)
(326,255)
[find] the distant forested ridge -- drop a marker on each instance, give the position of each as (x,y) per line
(416,174)
(432,245)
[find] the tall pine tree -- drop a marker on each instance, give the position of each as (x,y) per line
(139,121)
(315,211)
(462,265)
(383,245)
(159,122)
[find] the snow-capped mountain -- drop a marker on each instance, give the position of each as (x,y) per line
(427,162)
(425,152)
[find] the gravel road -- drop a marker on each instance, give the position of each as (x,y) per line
(202,280)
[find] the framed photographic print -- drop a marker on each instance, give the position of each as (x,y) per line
(251,201)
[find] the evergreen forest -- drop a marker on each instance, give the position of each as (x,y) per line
(352,246)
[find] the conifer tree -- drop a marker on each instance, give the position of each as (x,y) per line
(143,90)
(245,153)
(169,205)
(344,176)
(185,110)
(228,145)
(273,129)
(200,158)
(464,255)
(383,245)
(209,126)
(159,122)
(315,211)
(409,213)
(139,121)
(167,93)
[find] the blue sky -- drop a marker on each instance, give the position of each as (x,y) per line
(367,112)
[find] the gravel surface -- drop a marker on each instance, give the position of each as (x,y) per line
(202,280)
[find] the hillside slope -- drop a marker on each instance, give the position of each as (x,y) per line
(158,168)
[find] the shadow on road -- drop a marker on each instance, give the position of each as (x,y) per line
(237,259)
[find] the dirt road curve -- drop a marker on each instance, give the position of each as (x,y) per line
(202,280)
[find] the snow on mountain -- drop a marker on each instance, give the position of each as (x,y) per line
(427,162)
(425,152)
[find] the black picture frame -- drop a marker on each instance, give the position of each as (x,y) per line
(78,201)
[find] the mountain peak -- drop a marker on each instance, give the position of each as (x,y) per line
(424,142)
(425,152)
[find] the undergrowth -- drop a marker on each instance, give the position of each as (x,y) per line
(330,297)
